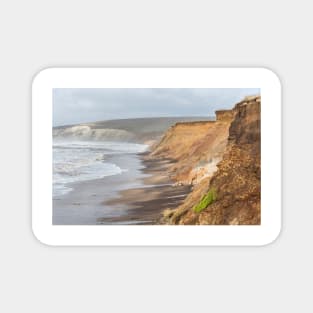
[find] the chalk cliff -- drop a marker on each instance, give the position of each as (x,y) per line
(221,160)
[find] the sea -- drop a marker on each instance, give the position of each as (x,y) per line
(77,161)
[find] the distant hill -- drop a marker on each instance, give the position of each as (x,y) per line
(133,130)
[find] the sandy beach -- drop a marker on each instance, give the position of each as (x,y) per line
(137,196)
(144,205)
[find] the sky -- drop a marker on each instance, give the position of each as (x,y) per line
(81,105)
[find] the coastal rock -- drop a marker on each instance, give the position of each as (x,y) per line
(235,141)
(195,148)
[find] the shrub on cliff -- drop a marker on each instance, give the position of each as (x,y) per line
(206,200)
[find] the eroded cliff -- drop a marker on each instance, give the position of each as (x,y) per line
(221,160)
(195,147)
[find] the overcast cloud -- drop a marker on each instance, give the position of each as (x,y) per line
(72,106)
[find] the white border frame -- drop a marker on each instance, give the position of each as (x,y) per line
(155,235)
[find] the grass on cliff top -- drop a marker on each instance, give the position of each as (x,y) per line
(206,200)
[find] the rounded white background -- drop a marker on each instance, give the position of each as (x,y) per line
(38,34)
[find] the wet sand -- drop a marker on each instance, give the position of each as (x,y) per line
(144,205)
(137,196)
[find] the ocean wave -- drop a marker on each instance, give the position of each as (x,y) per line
(102,146)
(75,161)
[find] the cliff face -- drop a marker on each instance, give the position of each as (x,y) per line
(195,147)
(228,192)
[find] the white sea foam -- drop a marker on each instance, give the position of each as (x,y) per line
(75,161)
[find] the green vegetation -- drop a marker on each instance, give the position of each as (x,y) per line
(206,200)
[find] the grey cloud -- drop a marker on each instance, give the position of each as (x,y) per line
(71,106)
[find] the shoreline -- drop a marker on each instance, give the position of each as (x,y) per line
(135,197)
(144,205)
